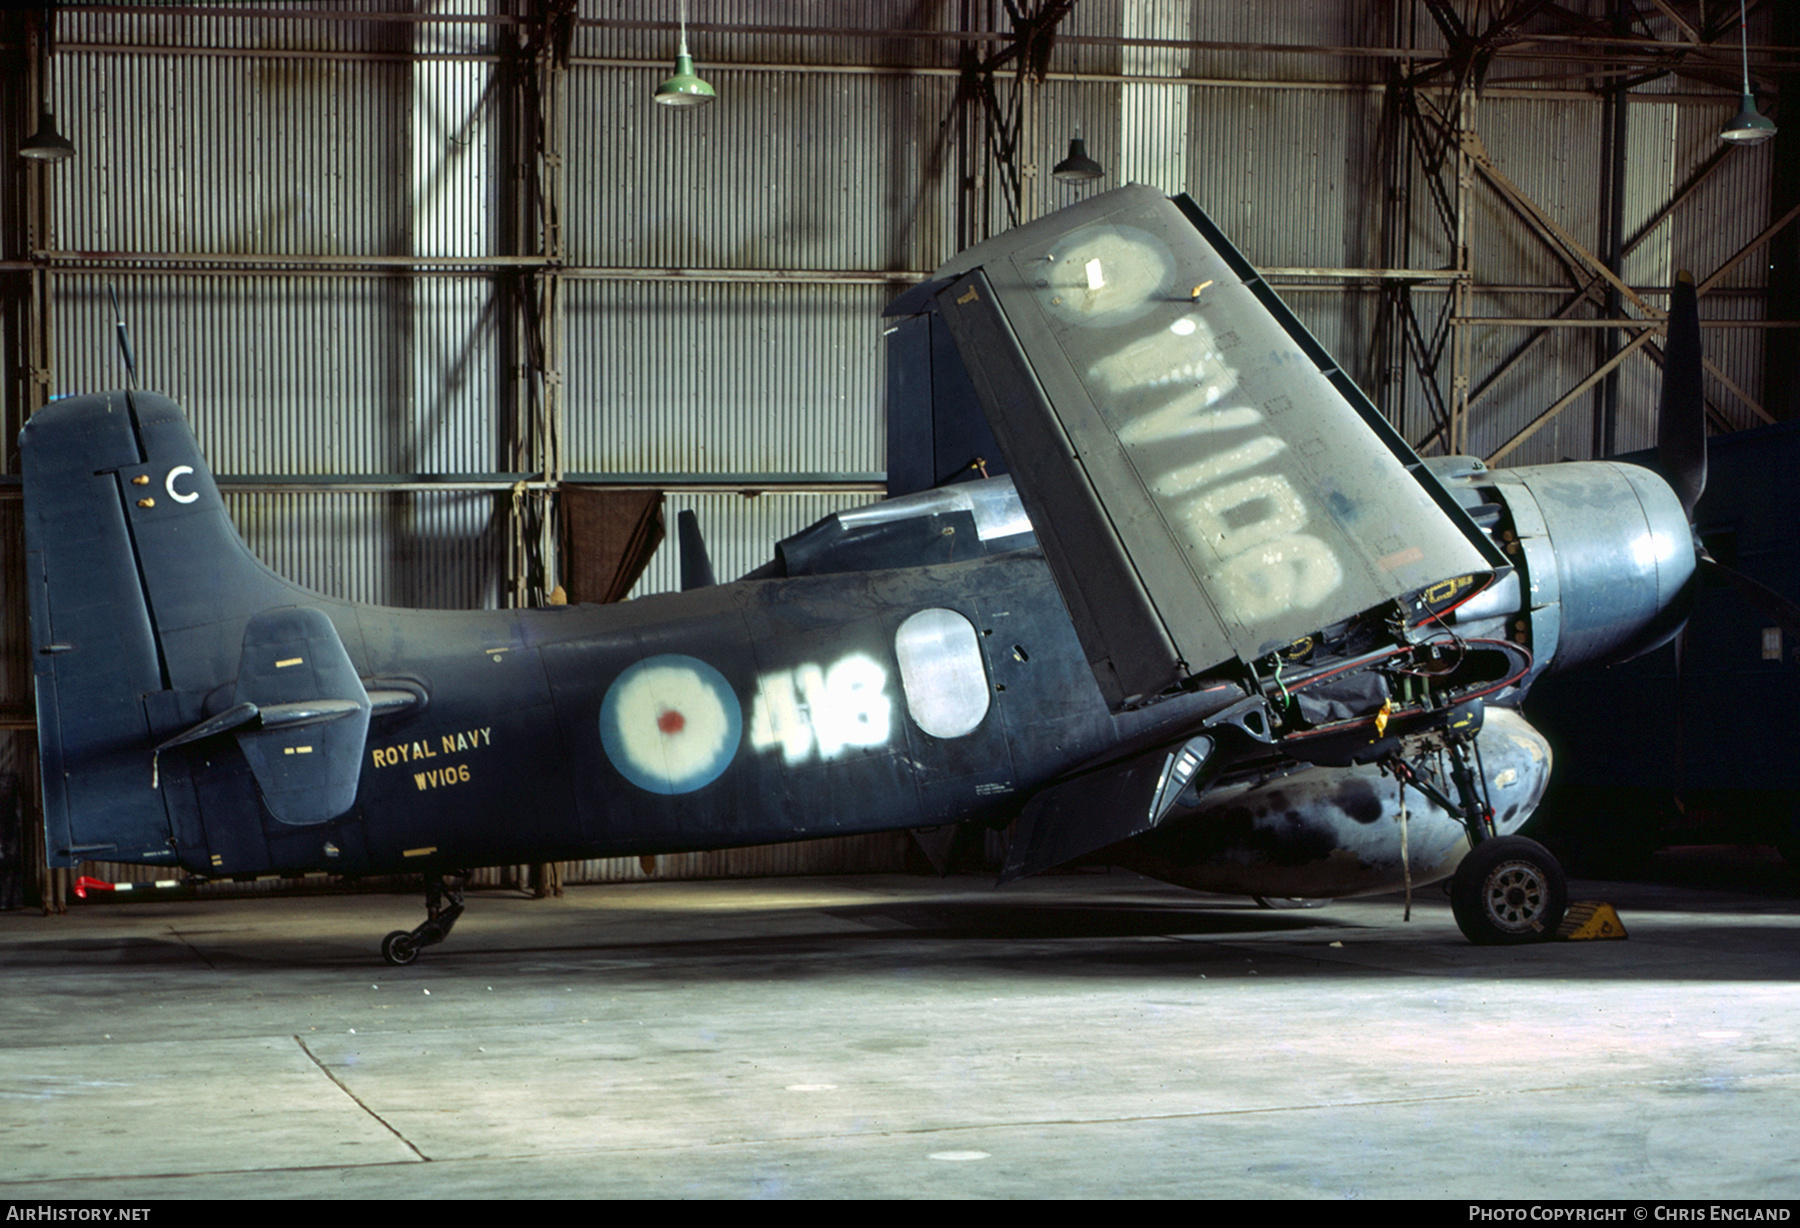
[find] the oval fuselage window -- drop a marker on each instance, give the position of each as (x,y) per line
(942,672)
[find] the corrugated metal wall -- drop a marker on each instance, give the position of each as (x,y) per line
(302,375)
(266,189)
(708,379)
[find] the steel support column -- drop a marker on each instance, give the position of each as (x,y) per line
(1612,239)
(39,347)
(534,443)
(1461,307)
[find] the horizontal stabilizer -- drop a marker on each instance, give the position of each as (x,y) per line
(1201,483)
(234,717)
(306,752)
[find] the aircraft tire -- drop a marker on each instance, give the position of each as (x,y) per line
(398,949)
(1508,890)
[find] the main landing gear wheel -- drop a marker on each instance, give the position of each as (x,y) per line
(1508,890)
(399,949)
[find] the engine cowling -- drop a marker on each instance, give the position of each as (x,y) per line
(1621,551)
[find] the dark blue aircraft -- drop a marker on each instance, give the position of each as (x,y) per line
(1220,625)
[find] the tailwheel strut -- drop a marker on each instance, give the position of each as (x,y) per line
(443,905)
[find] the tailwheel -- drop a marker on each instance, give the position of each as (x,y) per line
(443,905)
(1508,890)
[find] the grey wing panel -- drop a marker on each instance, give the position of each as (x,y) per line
(1127,644)
(1187,465)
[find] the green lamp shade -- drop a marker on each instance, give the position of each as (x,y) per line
(46,145)
(685,88)
(1748,127)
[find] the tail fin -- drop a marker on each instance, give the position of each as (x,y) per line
(140,592)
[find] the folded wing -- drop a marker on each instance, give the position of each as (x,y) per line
(1202,484)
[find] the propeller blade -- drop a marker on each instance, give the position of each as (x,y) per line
(1784,612)
(696,564)
(1681,421)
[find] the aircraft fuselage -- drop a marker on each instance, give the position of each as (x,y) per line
(742,714)
(191,712)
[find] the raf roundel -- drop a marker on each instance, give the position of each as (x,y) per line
(670,724)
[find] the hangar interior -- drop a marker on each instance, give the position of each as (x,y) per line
(424,277)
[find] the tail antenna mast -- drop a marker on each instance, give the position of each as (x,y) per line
(125,353)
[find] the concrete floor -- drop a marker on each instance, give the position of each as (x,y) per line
(1087,1035)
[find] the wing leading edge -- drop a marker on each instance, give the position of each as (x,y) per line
(1202,488)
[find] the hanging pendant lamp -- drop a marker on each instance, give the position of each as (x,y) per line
(1748,127)
(684,88)
(1077,167)
(47,144)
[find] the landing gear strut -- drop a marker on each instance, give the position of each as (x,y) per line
(1508,889)
(443,905)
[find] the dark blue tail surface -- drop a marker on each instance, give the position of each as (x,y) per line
(140,588)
